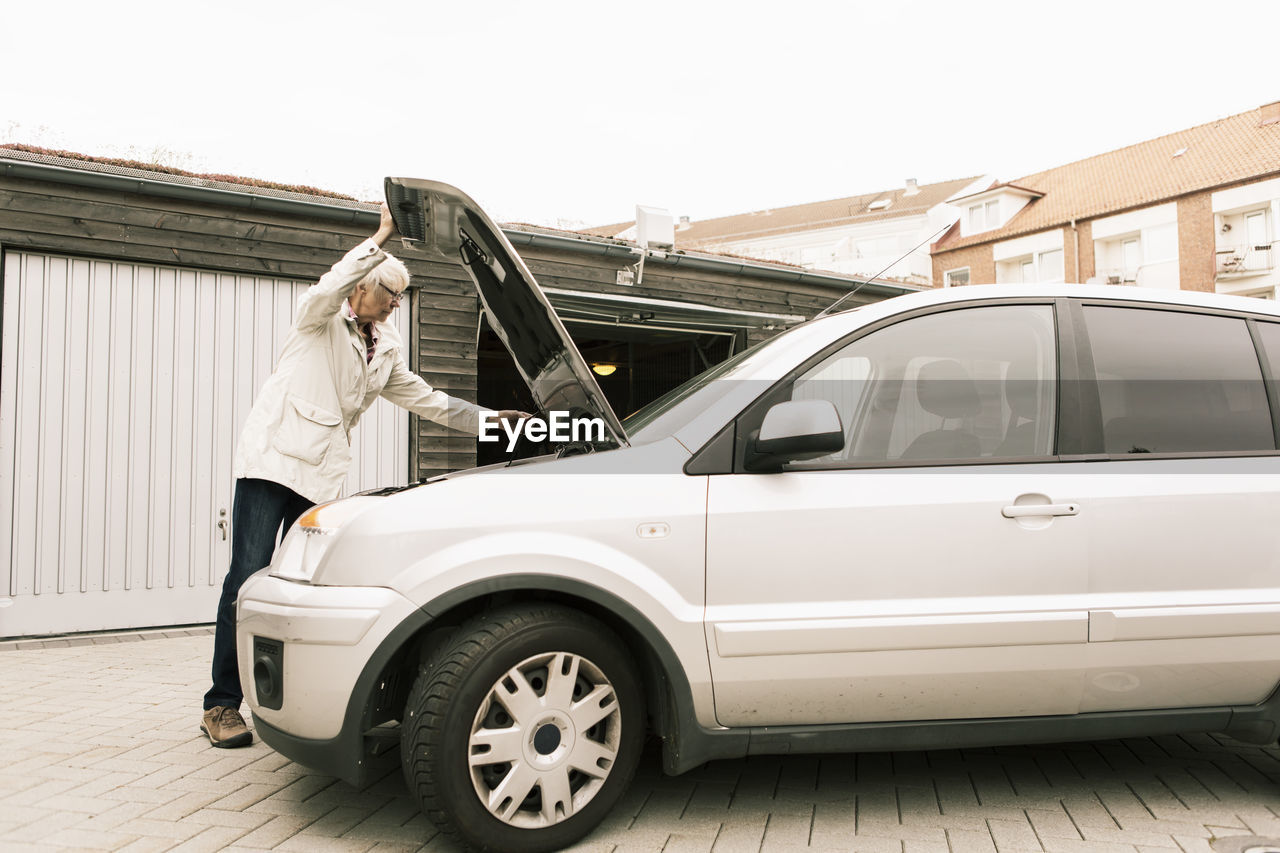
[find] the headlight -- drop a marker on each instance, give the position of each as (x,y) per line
(311,535)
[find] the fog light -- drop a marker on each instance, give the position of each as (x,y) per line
(268,679)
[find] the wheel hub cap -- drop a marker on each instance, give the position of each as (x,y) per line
(544,740)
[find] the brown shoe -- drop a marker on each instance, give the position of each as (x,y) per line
(225,727)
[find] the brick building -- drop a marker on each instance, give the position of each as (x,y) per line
(1195,210)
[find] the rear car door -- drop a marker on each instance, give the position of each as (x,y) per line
(1184,568)
(934,568)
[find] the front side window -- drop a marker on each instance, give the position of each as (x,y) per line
(1173,382)
(972,384)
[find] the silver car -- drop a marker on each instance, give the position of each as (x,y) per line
(973,516)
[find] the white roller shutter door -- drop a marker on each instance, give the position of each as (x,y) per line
(123,390)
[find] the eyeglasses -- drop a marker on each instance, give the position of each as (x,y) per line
(396,295)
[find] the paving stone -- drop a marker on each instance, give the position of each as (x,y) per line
(1053,823)
(742,832)
(1066,845)
(787,830)
(222,817)
(184,805)
(323,844)
(90,839)
(925,847)
(172,829)
(117,818)
(392,847)
(967,841)
(336,822)
(147,844)
(210,840)
(685,841)
(1013,835)
(276,830)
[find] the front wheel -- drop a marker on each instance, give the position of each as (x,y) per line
(524,731)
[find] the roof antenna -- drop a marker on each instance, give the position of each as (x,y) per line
(832,307)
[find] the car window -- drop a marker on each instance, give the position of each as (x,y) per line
(1270,334)
(969,384)
(1174,382)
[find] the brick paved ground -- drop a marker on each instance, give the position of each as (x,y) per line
(99,749)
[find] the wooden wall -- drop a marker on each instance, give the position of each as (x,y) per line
(80,220)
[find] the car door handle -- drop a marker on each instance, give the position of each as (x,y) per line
(1032,510)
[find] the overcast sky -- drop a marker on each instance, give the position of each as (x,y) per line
(572,113)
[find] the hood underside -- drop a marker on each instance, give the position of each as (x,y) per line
(445,224)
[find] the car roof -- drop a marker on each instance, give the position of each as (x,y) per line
(1190,298)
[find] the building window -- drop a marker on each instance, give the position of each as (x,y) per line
(956,278)
(1255,228)
(984,217)
(1051,268)
(1244,245)
(1130,259)
(1029,269)
(1257,254)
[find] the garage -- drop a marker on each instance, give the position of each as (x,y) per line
(123,388)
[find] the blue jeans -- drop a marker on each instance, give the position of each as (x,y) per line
(260,510)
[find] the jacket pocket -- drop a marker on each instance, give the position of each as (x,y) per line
(305,430)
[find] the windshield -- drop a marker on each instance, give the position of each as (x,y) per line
(674,409)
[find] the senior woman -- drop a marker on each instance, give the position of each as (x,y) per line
(294,452)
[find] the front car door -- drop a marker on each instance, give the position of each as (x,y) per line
(932,569)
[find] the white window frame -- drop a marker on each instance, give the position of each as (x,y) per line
(993,214)
(1127,273)
(1040,265)
(946,277)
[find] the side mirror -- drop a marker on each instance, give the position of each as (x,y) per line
(794,430)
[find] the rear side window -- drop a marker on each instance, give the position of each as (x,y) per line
(1172,382)
(1270,334)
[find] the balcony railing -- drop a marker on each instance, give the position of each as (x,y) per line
(1117,275)
(1245,259)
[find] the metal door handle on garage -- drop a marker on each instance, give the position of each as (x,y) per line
(1033,510)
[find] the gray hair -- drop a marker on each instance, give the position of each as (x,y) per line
(390,273)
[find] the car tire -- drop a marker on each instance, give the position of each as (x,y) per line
(554,697)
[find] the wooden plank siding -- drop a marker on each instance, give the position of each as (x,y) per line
(87,221)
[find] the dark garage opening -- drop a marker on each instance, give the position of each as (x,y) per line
(646,362)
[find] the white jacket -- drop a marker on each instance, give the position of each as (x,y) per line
(299,431)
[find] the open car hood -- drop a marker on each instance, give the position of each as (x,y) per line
(449,226)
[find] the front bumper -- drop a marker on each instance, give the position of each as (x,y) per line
(309,658)
(354,757)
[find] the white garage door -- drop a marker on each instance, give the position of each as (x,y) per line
(123,391)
